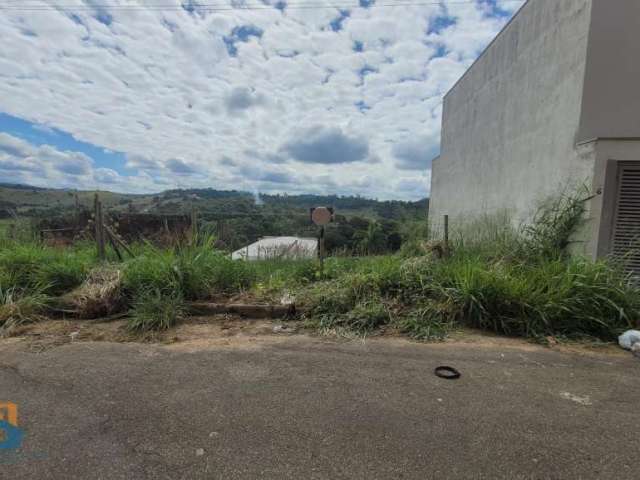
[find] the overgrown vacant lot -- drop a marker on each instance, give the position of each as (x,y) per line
(517,282)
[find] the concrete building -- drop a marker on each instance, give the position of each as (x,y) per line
(290,248)
(553,102)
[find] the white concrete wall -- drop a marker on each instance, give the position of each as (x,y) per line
(510,124)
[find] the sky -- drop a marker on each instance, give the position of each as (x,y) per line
(298,96)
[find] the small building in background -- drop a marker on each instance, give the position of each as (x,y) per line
(288,248)
(552,103)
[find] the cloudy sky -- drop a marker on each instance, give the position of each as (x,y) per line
(314,96)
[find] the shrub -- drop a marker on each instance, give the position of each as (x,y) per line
(156,310)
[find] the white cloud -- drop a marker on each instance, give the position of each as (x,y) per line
(46,166)
(162,87)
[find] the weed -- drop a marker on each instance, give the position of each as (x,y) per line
(18,307)
(154,270)
(32,265)
(364,316)
(66,270)
(196,271)
(506,289)
(156,310)
(429,322)
(549,297)
(557,219)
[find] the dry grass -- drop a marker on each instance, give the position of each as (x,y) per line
(17,309)
(100,295)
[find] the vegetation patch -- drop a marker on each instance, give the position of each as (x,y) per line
(156,310)
(99,296)
(514,282)
(18,307)
(491,275)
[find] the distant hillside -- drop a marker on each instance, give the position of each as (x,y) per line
(237,218)
(35,201)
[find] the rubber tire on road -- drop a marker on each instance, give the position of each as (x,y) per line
(448,373)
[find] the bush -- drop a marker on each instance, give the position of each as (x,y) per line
(156,310)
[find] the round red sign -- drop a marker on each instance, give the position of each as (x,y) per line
(321,216)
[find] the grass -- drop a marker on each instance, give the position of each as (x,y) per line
(31,272)
(550,297)
(498,278)
(194,271)
(515,281)
(426,299)
(34,266)
(156,310)
(18,307)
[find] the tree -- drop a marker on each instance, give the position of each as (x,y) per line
(373,240)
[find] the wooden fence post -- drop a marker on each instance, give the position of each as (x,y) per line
(102,253)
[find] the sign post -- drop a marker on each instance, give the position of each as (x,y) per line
(321,216)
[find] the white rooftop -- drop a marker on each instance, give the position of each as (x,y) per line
(278,247)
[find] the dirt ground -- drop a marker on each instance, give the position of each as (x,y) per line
(232,330)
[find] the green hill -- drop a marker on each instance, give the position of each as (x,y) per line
(237,217)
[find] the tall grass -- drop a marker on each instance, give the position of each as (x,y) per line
(498,278)
(556,220)
(18,307)
(35,266)
(195,271)
(549,297)
(156,310)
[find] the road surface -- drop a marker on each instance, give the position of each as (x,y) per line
(298,407)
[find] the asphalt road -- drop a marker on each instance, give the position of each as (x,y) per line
(304,408)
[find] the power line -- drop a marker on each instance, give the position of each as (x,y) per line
(218,7)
